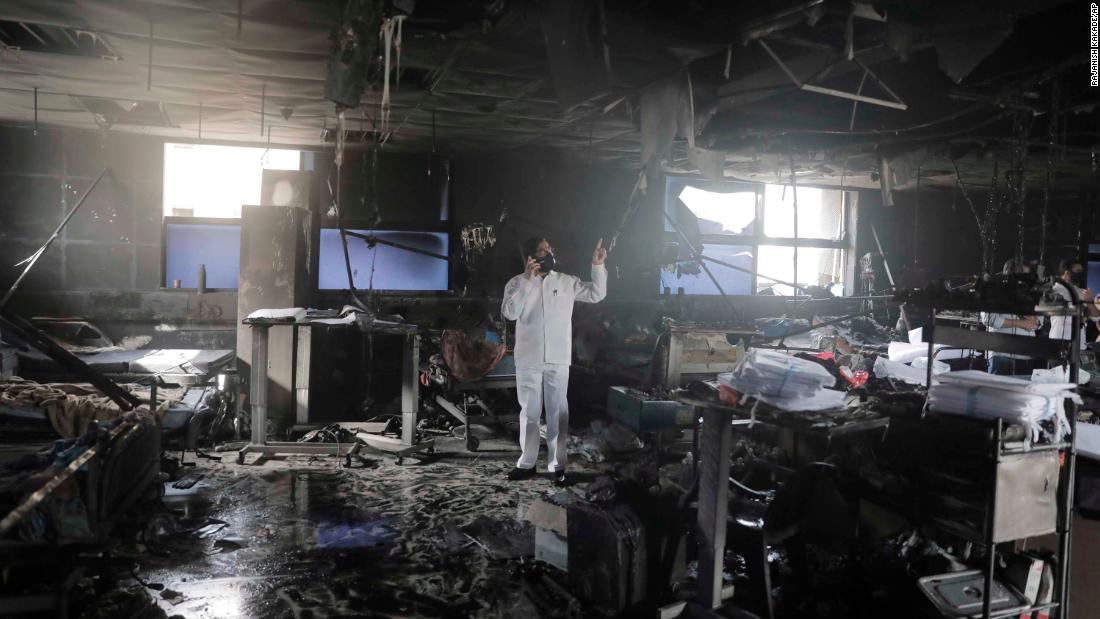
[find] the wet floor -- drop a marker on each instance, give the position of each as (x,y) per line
(298,537)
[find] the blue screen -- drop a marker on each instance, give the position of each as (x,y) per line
(393,268)
(218,246)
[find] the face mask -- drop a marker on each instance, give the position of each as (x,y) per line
(547,262)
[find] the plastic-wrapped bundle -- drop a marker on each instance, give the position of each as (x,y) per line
(938,367)
(1014,400)
(1059,374)
(885,368)
(906,353)
(783,381)
(915,375)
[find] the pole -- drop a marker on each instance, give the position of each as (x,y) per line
(1065,540)
(885,264)
(41,250)
(794,196)
(371,239)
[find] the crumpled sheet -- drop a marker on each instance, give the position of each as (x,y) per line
(71,407)
(470,359)
(603,441)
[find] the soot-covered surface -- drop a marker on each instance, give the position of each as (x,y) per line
(300,537)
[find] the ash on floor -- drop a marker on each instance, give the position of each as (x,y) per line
(300,537)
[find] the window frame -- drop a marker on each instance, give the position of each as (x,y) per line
(674,184)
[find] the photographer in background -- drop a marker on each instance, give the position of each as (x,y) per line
(1061,327)
(1003,363)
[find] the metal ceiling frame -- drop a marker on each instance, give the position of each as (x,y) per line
(896,104)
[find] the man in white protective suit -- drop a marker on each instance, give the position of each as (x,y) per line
(540,300)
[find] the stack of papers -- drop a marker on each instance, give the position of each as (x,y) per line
(1015,400)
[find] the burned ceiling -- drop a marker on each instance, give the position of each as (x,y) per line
(831,92)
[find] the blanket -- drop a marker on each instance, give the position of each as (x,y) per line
(70,407)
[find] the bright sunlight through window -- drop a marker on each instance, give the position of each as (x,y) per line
(718,213)
(202,180)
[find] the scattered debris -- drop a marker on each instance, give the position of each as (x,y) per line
(171,596)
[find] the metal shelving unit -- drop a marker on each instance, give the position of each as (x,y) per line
(1002,457)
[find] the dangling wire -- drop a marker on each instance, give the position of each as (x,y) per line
(989,228)
(373,259)
(1022,131)
(1052,137)
(338,159)
(391,41)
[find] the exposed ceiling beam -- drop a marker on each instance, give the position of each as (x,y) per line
(34,34)
(768,82)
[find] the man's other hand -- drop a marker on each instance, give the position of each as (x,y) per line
(600,253)
(1028,323)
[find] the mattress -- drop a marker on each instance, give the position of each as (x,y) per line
(156,361)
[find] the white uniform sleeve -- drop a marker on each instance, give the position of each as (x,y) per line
(516,294)
(993,321)
(1061,326)
(595,290)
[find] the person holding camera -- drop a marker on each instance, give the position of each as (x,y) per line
(540,300)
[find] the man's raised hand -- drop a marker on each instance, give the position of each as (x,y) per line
(600,253)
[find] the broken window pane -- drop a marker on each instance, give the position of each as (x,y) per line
(718,212)
(721,213)
(817,266)
(693,280)
(203,180)
(820,213)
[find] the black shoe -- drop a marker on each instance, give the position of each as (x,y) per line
(559,479)
(518,474)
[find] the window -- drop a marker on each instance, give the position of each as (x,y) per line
(754,228)
(820,213)
(202,180)
(382,266)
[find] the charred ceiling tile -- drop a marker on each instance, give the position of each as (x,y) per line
(574,31)
(964,41)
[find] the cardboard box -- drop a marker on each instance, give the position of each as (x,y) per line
(551,533)
(551,548)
